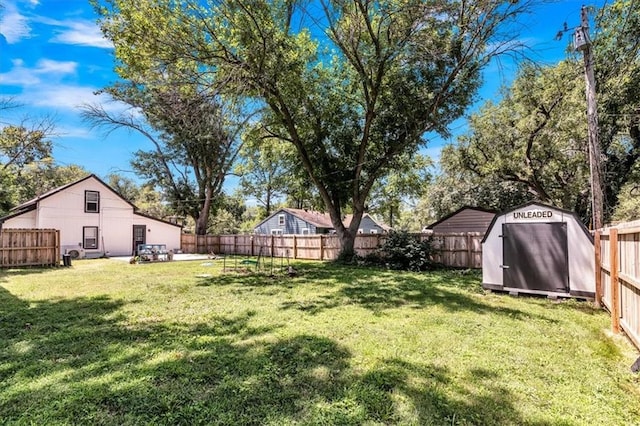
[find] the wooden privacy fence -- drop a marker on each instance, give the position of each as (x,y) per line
(459,250)
(617,252)
(29,247)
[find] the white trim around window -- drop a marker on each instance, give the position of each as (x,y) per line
(90,237)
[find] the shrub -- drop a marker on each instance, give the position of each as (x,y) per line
(404,251)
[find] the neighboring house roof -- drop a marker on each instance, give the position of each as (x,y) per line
(32,204)
(450,215)
(318,219)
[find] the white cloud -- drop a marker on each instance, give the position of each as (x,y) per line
(82,33)
(62,96)
(20,75)
(13,25)
(47,66)
(79,32)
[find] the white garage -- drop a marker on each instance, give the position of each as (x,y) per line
(539,249)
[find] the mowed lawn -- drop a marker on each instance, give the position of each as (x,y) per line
(106,342)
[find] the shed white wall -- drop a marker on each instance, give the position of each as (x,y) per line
(64,210)
(580,248)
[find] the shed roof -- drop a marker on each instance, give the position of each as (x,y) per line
(450,215)
(564,211)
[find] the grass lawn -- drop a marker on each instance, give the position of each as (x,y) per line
(105,342)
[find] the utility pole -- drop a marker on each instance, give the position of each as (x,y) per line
(582,43)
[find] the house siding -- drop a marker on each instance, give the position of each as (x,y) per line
(292,225)
(367,225)
(65,210)
(316,223)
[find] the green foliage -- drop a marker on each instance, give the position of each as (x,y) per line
(533,143)
(144,197)
(404,251)
(24,148)
(628,208)
(266,168)
(617,69)
(229,218)
(399,187)
(20,146)
(533,138)
(354,102)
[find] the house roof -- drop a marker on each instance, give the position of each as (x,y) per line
(450,215)
(32,204)
(318,219)
(48,194)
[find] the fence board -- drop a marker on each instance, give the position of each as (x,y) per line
(29,247)
(620,273)
(459,250)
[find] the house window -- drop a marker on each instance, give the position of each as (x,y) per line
(360,231)
(276,232)
(91,202)
(374,231)
(305,231)
(90,237)
(280,219)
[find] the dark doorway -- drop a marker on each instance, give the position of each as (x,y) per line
(139,236)
(535,256)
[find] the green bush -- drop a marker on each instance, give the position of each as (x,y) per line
(403,251)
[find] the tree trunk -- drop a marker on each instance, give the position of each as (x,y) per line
(347,251)
(203,217)
(201,223)
(347,235)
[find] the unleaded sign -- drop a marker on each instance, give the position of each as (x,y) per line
(533,214)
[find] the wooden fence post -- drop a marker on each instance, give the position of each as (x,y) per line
(469,252)
(321,248)
(598,268)
(295,247)
(272,244)
(615,284)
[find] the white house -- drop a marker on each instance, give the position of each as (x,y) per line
(93,220)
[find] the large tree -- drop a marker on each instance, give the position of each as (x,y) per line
(400,187)
(266,168)
(353,85)
(617,55)
(533,137)
(194,136)
(25,149)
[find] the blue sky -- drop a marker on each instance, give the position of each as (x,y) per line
(53,58)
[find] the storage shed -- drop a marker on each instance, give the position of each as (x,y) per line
(539,249)
(466,219)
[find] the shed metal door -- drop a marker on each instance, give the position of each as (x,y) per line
(535,256)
